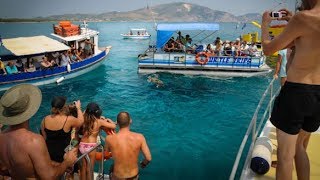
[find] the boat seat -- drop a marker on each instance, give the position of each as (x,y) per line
(199,48)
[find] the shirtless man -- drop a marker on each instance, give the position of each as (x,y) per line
(125,147)
(296,109)
(24,154)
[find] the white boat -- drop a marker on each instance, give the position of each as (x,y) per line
(156,59)
(262,145)
(37,46)
(137,33)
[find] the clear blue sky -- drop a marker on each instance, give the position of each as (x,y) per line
(35,8)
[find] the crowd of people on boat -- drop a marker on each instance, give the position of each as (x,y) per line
(66,133)
(48,60)
(217,48)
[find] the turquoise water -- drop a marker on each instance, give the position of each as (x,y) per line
(193,125)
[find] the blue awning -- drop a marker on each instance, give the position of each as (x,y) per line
(165,31)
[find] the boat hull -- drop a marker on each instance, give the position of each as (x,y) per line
(135,36)
(216,66)
(52,75)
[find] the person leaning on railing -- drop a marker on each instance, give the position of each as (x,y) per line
(125,147)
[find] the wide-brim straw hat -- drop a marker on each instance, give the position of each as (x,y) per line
(19,104)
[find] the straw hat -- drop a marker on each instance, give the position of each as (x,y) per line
(19,104)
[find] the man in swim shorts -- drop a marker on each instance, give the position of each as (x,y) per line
(125,147)
(24,154)
(296,112)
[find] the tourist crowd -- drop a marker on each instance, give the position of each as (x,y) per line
(66,133)
(48,60)
(217,48)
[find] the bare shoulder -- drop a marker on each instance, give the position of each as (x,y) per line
(308,16)
(139,136)
(34,139)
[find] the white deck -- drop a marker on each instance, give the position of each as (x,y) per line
(84,34)
(312,150)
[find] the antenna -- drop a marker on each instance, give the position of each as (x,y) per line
(154,20)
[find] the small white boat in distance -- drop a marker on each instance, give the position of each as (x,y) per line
(136,33)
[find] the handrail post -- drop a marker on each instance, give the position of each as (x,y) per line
(101,164)
(254,128)
(271,94)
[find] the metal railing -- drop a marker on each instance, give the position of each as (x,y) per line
(252,128)
(89,165)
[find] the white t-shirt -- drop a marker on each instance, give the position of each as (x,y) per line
(65,60)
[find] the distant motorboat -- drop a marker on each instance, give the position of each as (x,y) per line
(137,33)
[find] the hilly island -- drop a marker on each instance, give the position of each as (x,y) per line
(172,12)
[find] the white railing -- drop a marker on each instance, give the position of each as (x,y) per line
(252,128)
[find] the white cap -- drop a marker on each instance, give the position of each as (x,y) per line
(87,37)
(227,41)
(238,39)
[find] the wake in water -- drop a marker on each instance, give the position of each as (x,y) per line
(154,78)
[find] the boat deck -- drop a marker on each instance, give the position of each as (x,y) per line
(312,150)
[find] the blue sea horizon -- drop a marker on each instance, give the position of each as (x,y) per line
(193,124)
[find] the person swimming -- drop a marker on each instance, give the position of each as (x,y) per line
(155,80)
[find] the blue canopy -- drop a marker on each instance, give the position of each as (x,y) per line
(165,31)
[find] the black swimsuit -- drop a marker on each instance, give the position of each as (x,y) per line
(57,141)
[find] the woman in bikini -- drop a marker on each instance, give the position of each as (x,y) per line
(93,122)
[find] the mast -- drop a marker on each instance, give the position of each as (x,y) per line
(296,5)
(153,18)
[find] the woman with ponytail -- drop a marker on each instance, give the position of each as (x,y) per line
(93,122)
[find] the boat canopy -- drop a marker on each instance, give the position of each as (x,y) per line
(23,46)
(165,31)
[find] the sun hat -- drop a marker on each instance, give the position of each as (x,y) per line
(19,104)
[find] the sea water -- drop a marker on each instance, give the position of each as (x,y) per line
(193,124)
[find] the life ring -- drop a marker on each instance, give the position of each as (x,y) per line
(106,155)
(201,60)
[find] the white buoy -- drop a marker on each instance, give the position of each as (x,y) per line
(261,155)
(68,67)
(60,80)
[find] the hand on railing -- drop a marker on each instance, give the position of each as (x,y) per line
(70,157)
(275,76)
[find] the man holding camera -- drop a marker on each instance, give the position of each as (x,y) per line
(296,112)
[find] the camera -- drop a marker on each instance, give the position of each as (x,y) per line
(276,14)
